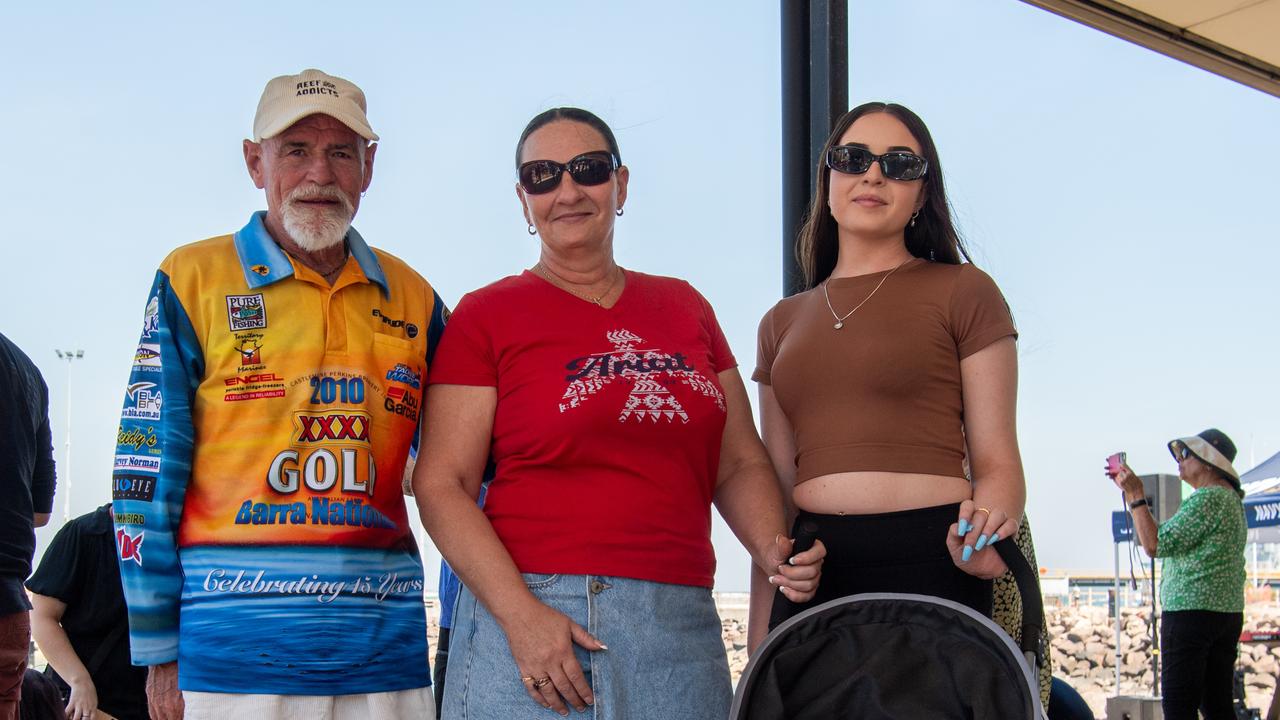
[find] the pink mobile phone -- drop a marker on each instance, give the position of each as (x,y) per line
(1114,462)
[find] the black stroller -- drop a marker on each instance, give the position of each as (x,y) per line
(894,656)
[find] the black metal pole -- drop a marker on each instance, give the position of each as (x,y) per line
(815,91)
(795,134)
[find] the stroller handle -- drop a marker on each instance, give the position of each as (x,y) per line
(783,607)
(1028,588)
(806,534)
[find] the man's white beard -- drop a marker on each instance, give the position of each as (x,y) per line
(317,228)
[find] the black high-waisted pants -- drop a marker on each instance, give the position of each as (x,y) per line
(904,551)
(1197,659)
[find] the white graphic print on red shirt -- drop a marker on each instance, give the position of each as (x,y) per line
(646,370)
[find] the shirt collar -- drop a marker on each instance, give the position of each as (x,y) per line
(264,263)
(100,521)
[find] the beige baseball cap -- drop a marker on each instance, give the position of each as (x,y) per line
(289,98)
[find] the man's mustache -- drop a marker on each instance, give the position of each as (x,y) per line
(320,192)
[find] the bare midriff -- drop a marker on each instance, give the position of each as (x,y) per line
(865,493)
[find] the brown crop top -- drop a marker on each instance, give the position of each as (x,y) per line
(882,393)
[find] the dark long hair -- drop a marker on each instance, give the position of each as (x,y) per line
(574,114)
(933,236)
(40,699)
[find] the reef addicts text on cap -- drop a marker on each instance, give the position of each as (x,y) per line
(289,98)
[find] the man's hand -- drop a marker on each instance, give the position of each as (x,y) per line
(164,700)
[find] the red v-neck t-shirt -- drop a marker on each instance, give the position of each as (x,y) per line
(607,432)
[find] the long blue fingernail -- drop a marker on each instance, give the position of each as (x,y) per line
(964,527)
(995,537)
(982,542)
(968,553)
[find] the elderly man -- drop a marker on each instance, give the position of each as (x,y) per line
(26,499)
(265,550)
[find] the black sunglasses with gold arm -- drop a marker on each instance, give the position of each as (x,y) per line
(590,168)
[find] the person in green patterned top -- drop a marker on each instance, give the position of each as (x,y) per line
(1202,590)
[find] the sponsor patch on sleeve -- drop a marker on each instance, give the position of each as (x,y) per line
(143,401)
(123,518)
(133,486)
(130,545)
(151,320)
(147,356)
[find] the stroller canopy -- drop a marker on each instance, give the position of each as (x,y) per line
(883,656)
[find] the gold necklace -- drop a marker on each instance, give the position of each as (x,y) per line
(841,318)
(547,274)
(326,273)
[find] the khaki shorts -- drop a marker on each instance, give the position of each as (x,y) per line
(415,704)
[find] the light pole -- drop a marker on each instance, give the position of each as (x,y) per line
(68,355)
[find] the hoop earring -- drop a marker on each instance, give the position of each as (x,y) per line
(619,212)
(914,215)
(532,230)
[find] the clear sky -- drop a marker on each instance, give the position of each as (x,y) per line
(1124,202)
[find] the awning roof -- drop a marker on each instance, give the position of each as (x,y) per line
(1237,39)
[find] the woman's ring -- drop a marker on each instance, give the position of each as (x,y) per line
(542,681)
(985,510)
(526,678)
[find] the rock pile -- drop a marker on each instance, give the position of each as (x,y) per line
(1083,653)
(734,631)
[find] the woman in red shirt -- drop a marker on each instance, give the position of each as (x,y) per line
(612,408)
(888,388)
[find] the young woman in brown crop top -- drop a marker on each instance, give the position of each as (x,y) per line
(891,381)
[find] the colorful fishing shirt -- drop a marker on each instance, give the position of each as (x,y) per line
(262,533)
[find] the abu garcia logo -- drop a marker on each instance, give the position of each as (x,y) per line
(402,402)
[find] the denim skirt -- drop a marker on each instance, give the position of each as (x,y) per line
(666,658)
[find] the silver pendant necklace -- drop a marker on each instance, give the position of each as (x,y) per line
(841,318)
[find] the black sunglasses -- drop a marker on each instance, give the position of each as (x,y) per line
(592,168)
(896,164)
(1184,452)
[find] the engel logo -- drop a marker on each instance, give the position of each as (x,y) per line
(254,379)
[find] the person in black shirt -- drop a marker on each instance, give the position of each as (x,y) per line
(40,700)
(26,499)
(81,624)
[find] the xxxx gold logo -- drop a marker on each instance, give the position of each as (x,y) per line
(331,427)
